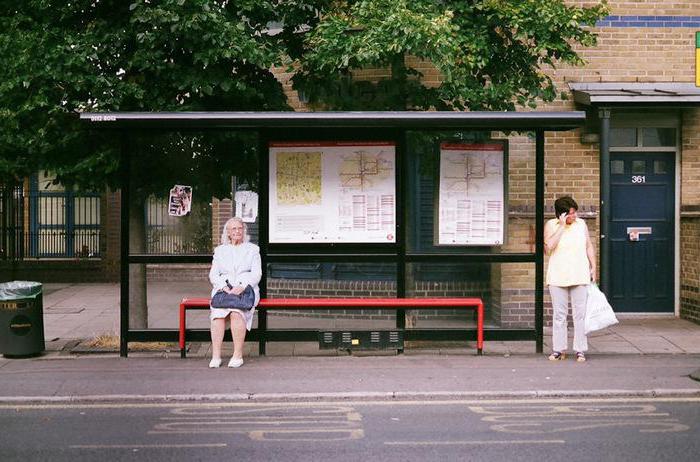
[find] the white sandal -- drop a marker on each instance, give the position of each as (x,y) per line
(214,363)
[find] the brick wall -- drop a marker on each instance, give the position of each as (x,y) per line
(222,210)
(690,217)
(302,288)
(54,271)
(630,49)
(690,269)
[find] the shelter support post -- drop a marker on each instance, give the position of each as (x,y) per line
(539,240)
(604,209)
(263,231)
(124,245)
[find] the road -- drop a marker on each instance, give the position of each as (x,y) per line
(639,429)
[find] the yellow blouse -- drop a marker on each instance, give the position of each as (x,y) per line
(568,263)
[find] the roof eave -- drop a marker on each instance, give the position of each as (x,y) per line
(407,120)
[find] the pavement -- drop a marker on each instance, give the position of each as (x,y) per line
(649,356)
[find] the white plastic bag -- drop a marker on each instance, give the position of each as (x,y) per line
(599,313)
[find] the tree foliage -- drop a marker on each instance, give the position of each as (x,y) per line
(490,54)
(60,57)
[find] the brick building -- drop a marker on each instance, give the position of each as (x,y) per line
(643,114)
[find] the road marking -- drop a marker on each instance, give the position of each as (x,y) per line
(548,419)
(146,446)
(299,435)
(194,404)
(468,442)
(269,423)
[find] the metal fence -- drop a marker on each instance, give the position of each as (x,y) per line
(11,218)
(166,234)
(48,224)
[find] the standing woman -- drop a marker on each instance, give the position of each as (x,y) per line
(571,269)
(236,265)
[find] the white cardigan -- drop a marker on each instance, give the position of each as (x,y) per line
(240,264)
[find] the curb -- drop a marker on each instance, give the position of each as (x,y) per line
(356,396)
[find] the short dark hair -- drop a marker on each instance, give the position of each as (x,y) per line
(563,204)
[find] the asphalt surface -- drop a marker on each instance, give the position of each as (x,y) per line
(95,377)
(543,429)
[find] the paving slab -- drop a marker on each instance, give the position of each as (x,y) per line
(652,344)
(96,312)
(347,377)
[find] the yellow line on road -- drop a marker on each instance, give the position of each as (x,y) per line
(294,404)
(467,442)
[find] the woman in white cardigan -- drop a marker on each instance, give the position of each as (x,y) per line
(236,265)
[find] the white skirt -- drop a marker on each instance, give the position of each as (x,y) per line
(218,313)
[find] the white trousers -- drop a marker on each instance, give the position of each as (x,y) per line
(560,308)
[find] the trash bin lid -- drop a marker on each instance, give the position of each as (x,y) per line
(14,290)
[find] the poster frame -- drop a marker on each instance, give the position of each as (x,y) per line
(436,203)
(386,137)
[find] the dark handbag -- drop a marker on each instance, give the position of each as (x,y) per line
(244,301)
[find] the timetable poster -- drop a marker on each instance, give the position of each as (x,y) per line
(471,194)
(332,192)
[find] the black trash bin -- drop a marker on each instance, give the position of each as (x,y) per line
(21,318)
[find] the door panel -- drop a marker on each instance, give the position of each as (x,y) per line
(642,196)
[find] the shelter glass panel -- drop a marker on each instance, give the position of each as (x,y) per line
(318,279)
(507,290)
(167,284)
(185,186)
(466,190)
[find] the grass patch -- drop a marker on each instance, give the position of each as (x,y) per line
(111,342)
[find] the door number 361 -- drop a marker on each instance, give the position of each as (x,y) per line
(639,179)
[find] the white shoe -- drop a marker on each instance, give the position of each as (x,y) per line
(214,363)
(235,362)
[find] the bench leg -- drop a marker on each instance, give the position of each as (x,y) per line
(480,329)
(183,323)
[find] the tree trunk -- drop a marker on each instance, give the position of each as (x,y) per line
(138,305)
(399,76)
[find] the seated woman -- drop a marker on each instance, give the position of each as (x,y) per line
(236,265)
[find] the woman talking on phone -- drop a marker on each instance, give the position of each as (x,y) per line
(571,268)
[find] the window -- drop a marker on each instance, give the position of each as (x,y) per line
(63,223)
(617,167)
(660,167)
(652,137)
(639,167)
(623,137)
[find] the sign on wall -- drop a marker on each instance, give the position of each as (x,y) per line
(332,192)
(471,194)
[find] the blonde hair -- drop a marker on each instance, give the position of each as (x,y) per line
(224,235)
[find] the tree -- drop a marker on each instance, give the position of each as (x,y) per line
(58,58)
(490,54)
(61,57)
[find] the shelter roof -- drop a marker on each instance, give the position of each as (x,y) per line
(417,120)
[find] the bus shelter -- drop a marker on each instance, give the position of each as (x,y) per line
(423,202)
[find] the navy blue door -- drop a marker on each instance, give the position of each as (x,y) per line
(641,232)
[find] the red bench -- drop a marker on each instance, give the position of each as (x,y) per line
(342,303)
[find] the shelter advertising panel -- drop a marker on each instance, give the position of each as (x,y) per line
(471,194)
(332,192)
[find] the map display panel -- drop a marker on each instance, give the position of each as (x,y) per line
(332,192)
(471,194)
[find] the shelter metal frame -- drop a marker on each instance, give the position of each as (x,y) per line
(394,125)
